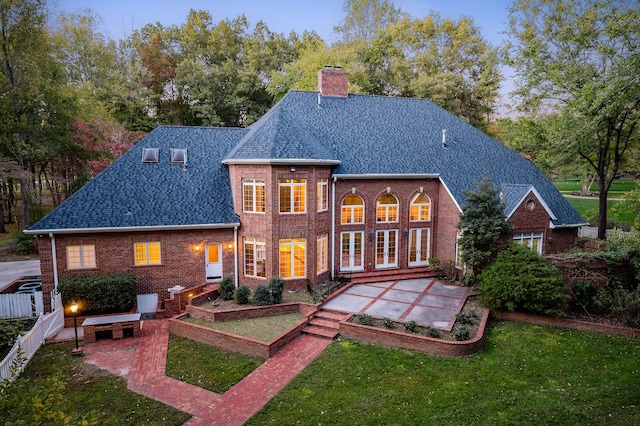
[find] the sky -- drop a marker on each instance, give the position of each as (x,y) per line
(122,17)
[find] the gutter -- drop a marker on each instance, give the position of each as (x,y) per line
(284,161)
(386,176)
(132,229)
(566,226)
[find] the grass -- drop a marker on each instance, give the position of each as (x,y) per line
(96,393)
(617,186)
(588,208)
(264,329)
(207,366)
(524,375)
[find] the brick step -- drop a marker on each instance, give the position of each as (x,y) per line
(363,279)
(319,322)
(320,332)
(331,315)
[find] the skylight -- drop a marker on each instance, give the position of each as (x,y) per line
(179,155)
(150,155)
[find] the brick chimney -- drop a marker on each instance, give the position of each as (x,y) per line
(333,81)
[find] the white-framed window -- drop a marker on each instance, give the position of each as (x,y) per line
(81,256)
(293,258)
(420,208)
(323,194)
(387,208)
(147,253)
(253,196)
(533,240)
(255,257)
(293,195)
(352,210)
(322,249)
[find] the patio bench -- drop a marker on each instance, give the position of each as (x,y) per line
(114,323)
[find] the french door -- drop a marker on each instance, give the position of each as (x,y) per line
(387,248)
(419,246)
(352,251)
(214,262)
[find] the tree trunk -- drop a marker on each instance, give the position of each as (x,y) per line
(24,189)
(602,210)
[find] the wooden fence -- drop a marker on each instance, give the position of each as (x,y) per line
(21,305)
(592,232)
(28,344)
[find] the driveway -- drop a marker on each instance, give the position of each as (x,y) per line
(426,301)
(11,271)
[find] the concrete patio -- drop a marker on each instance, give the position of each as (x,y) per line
(426,301)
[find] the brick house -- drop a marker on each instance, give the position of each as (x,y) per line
(325,183)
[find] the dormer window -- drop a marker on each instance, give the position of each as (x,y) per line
(179,155)
(150,155)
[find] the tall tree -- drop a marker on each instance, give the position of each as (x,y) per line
(581,60)
(365,17)
(34,107)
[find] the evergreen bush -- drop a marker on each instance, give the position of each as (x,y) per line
(521,280)
(100,294)
(242,295)
(276,285)
(262,296)
(226,288)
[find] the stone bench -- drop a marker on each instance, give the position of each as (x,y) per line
(114,323)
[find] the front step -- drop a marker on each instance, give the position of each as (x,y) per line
(372,278)
(325,324)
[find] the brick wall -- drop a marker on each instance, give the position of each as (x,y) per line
(414,342)
(181,263)
(370,191)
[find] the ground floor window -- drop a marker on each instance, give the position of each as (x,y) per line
(459,262)
(533,240)
(81,257)
(322,248)
(147,253)
(255,257)
(293,258)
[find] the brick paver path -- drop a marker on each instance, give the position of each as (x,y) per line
(143,360)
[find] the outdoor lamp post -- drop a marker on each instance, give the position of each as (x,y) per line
(74,310)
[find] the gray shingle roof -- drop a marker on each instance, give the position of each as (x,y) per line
(387,135)
(359,135)
(130,193)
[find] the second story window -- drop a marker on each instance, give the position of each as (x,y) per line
(420,208)
(323,195)
(293,195)
(253,198)
(352,210)
(387,208)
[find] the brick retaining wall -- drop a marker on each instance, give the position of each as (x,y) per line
(414,342)
(568,323)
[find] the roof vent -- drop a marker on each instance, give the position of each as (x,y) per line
(444,138)
(150,155)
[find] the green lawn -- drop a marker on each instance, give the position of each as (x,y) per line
(618,186)
(588,207)
(264,329)
(524,375)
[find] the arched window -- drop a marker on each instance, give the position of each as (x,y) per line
(352,210)
(387,208)
(420,208)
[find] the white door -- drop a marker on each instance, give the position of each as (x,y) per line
(386,248)
(419,246)
(214,262)
(352,251)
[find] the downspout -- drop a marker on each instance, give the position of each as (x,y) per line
(235,255)
(333,227)
(55,262)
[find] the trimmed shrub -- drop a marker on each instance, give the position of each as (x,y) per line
(276,285)
(467,318)
(226,288)
(100,294)
(462,333)
(411,327)
(262,296)
(364,319)
(242,295)
(389,323)
(520,280)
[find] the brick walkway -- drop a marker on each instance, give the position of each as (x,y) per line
(143,360)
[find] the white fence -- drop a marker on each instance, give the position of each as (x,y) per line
(592,232)
(27,345)
(21,305)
